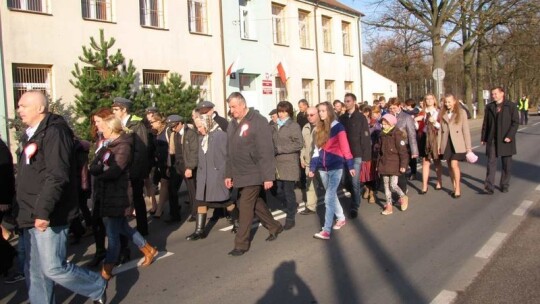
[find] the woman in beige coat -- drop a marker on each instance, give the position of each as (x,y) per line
(454,139)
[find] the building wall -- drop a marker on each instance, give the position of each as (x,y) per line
(56,39)
(376,85)
(260,55)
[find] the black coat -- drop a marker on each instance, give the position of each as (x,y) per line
(7,177)
(46,180)
(111,169)
(141,141)
(496,127)
(357,129)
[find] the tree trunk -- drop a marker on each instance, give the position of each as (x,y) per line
(480,75)
(438,62)
(468,57)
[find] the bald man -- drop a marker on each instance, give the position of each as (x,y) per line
(47,198)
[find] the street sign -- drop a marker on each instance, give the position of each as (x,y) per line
(486,94)
(267,86)
(438,74)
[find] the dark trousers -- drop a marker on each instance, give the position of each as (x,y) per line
(402,182)
(523,117)
(98,228)
(413,164)
(285,193)
(250,203)
(175,182)
(492,168)
(137,185)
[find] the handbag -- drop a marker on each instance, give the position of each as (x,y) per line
(471,157)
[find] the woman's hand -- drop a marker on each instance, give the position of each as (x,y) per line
(402,170)
(352,172)
(311,174)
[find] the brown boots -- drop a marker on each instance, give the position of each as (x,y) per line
(149,254)
(106,271)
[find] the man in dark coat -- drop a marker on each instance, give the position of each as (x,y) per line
(357,129)
(251,168)
(140,166)
(501,122)
(47,198)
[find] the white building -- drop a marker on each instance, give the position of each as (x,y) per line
(376,85)
(316,42)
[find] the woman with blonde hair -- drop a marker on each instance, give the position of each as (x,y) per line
(111,170)
(330,153)
(428,145)
(454,139)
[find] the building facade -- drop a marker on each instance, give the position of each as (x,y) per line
(375,85)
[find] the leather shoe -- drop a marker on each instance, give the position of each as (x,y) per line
(504,189)
(354,214)
(273,236)
(237,252)
(307,212)
(289,224)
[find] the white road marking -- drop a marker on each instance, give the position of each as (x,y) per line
(522,209)
(519,130)
(536,123)
(475,147)
(444,297)
(491,245)
(278,214)
(135,263)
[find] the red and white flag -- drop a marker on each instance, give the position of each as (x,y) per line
(282,71)
(233,67)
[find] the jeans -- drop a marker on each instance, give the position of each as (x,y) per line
(116,226)
(356,185)
(330,180)
(285,191)
(46,264)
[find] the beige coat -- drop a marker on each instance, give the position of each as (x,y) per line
(460,133)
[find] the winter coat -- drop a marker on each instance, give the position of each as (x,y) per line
(406,123)
(186,150)
(459,133)
(358,135)
(211,168)
(250,154)
(498,126)
(140,167)
(393,154)
(288,142)
(221,121)
(308,132)
(46,179)
(335,152)
(7,176)
(111,184)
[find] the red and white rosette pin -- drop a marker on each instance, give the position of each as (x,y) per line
(105,157)
(30,151)
(243,130)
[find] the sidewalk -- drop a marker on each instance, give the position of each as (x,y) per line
(513,274)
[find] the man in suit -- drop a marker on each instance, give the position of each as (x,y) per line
(501,122)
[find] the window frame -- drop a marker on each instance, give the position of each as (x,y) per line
(308,90)
(346,37)
(23,5)
(327,33)
(194,26)
(20,88)
(248,30)
(279,24)
(207,94)
(329,89)
(109,7)
(163,74)
(147,20)
(282,93)
(304,32)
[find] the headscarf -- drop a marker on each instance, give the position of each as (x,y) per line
(209,124)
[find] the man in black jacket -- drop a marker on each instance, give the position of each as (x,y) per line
(139,169)
(501,122)
(357,129)
(47,198)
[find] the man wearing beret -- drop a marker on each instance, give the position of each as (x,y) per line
(140,165)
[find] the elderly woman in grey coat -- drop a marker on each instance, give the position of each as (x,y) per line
(288,142)
(211,190)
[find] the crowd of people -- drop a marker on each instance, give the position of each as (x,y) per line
(139,163)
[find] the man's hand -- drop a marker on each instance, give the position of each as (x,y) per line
(41,225)
(188,173)
(268,184)
(4,207)
(311,174)
(483,143)
(507,140)
(352,172)
(228,183)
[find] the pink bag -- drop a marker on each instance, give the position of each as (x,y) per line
(471,157)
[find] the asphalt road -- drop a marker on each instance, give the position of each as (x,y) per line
(408,257)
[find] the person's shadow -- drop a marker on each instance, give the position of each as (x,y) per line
(288,287)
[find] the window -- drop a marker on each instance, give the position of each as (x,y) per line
(303,28)
(152,13)
(348,86)
(281,90)
(278,23)
(247,82)
(198,21)
(204,82)
(28,77)
(329,90)
(307,89)
(97,9)
(346,33)
(154,77)
(40,6)
(327,33)
(247,24)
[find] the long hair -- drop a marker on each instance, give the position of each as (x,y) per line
(323,126)
(456,109)
(101,113)
(435,103)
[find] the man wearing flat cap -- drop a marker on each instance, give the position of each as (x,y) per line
(140,166)
(207,107)
(184,152)
(273,117)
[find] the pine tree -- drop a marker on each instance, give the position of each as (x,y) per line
(103,77)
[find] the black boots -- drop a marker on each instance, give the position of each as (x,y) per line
(199,228)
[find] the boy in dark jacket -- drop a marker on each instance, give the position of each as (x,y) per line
(393,161)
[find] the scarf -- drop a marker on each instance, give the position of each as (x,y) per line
(281,123)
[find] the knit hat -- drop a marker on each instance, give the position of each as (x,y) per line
(391,119)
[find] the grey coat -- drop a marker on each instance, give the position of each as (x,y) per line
(307,150)
(405,122)
(211,168)
(288,142)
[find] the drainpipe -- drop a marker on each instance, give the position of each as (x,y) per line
(224,82)
(317,54)
(360,59)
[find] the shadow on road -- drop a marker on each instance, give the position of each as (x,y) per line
(288,287)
